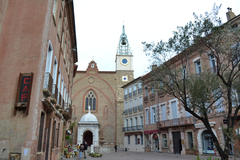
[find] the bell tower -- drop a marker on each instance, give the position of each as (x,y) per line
(124,54)
(124,74)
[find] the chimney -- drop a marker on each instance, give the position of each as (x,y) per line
(230,14)
(154,67)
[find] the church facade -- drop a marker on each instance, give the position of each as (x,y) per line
(101,90)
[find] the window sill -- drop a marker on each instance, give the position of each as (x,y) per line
(39,153)
(165,147)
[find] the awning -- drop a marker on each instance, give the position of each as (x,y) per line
(150,132)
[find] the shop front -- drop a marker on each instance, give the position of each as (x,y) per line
(207,143)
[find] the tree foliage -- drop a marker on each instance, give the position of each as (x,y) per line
(201,94)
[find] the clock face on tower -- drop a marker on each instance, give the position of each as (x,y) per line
(124,61)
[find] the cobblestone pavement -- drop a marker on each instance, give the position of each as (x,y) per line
(122,155)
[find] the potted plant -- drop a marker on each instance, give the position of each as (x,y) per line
(72,125)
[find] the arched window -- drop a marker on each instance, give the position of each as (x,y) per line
(49,58)
(90,100)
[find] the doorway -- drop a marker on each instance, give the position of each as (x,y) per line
(88,137)
(177,145)
(156,143)
(207,143)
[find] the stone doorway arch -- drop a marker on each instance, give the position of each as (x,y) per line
(88,137)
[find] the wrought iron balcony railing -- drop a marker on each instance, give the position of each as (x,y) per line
(152,96)
(130,94)
(125,111)
(140,107)
(145,99)
(183,121)
(160,93)
(132,128)
(135,109)
(139,90)
(59,100)
(125,96)
(130,110)
(48,84)
(135,92)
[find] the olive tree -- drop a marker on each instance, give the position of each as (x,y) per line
(201,94)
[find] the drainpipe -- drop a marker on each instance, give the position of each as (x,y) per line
(160,148)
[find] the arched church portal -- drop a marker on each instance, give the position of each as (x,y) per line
(88,137)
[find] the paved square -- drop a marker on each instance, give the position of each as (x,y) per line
(122,155)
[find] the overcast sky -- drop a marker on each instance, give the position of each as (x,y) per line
(99,26)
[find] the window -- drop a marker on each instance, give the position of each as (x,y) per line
(141,120)
(136,122)
(163,112)
(190,140)
(153,115)
(130,104)
(40,134)
(135,102)
(141,139)
(184,73)
(54,11)
(59,80)
(131,122)
(130,89)
(198,67)
(147,117)
(139,85)
(212,63)
(126,105)
(60,26)
(90,100)
(235,51)
(187,114)
(49,58)
(125,92)
(174,110)
(136,140)
(134,87)
(152,89)
(140,101)
(219,102)
(128,139)
(146,91)
(126,123)
(164,137)
(235,98)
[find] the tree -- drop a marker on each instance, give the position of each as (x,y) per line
(204,93)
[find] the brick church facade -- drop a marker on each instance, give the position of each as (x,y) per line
(101,90)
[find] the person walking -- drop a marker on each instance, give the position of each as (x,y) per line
(81,149)
(85,148)
(115,147)
(78,147)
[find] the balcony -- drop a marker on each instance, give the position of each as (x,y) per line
(132,128)
(130,94)
(140,107)
(160,93)
(67,113)
(152,96)
(130,110)
(135,109)
(54,94)
(139,90)
(176,122)
(135,92)
(145,99)
(48,84)
(125,111)
(125,96)
(59,100)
